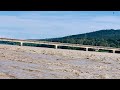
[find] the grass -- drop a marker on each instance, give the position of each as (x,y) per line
(102,50)
(9,43)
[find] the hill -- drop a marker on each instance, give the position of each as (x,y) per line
(108,38)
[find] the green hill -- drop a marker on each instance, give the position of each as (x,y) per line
(108,38)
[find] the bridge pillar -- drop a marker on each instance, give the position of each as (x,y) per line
(21,43)
(86,49)
(113,51)
(55,46)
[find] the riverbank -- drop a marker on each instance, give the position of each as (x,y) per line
(24,62)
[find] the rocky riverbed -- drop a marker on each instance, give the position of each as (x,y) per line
(21,62)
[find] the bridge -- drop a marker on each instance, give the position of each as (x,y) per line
(58,45)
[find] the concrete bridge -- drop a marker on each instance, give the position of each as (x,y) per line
(58,45)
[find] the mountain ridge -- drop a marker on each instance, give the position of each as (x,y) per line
(105,37)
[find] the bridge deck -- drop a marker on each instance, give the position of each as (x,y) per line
(56,44)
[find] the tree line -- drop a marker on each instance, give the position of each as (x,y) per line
(108,38)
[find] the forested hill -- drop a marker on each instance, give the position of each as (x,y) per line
(109,38)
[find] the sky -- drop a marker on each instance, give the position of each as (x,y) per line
(52,24)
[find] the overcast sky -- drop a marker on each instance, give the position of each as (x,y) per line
(50,24)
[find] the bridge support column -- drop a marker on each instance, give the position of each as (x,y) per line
(56,46)
(21,43)
(113,51)
(86,49)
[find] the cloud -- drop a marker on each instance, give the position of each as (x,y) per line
(39,25)
(108,19)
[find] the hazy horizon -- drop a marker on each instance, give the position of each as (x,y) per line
(52,24)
